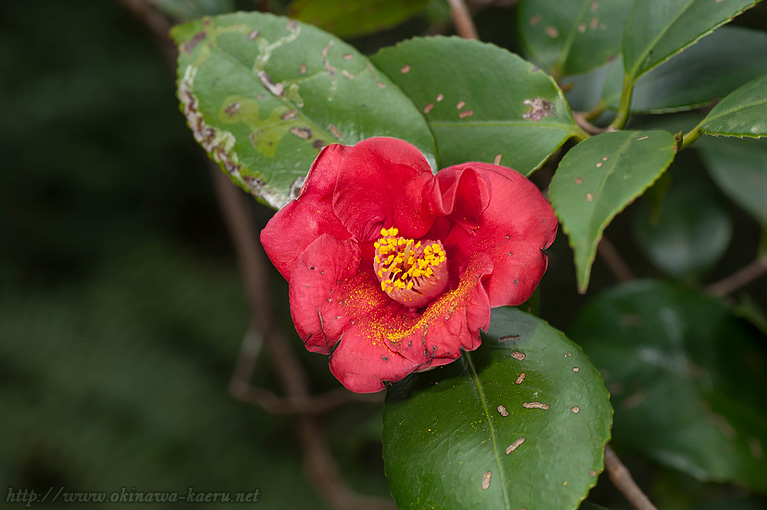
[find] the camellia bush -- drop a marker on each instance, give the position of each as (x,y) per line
(418,190)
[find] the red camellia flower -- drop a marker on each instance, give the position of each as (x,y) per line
(393,269)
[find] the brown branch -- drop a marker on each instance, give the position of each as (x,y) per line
(462,21)
(739,279)
(614,262)
(241,388)
(624,482)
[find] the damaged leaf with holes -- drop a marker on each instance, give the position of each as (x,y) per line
(264,94)
(515,115)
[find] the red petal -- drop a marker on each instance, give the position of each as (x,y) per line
(448,324)
(317,288)
(512,231)
(303,220)
(362,364)
(464,196)
(383,183)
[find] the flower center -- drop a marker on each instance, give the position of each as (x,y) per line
(411,272)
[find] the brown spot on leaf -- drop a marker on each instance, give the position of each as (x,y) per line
(497,159)
(575,409)
(589,197)
(520,378)
(467,113)
(502,410)
(405,69)
(460,105)
(290,114)
(381,85)
(507,338)
(516,444)
(318,144)
(429,107)
(232,109)
(302,69)
(301,132)
(552,32)
(336,132)
(347,56)
(189,46)
(518,355)
(276,89)
(534,20)
(535,405)
(486,480)
(539,109)
(578,180)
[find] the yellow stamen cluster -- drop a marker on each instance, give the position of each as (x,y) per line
(400,262)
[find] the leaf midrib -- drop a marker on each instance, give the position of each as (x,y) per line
(729,111)
(565,53)
(654,43)
(493,433)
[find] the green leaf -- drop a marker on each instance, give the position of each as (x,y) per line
(710,69)
(572,37)
(687,233)
(739,167)
(658,29)
(520,423)
(481,102)
(742,113)
(263,94)
(687,379)
(351,19)
(598,178)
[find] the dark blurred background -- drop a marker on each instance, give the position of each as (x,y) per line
(122,308)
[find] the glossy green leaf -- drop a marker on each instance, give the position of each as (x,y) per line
(687,379)
(598,178)
(481,102)
(520,423)
(710,69)
(263,94)
(687,233)
(739,167)
(742,113)
(190,9)
(658,29)
(350,19)
(574,36)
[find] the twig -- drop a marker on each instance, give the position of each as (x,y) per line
(241,388)
(741,278)
(614,262)
(581,119)
(461,16)
(624,482)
